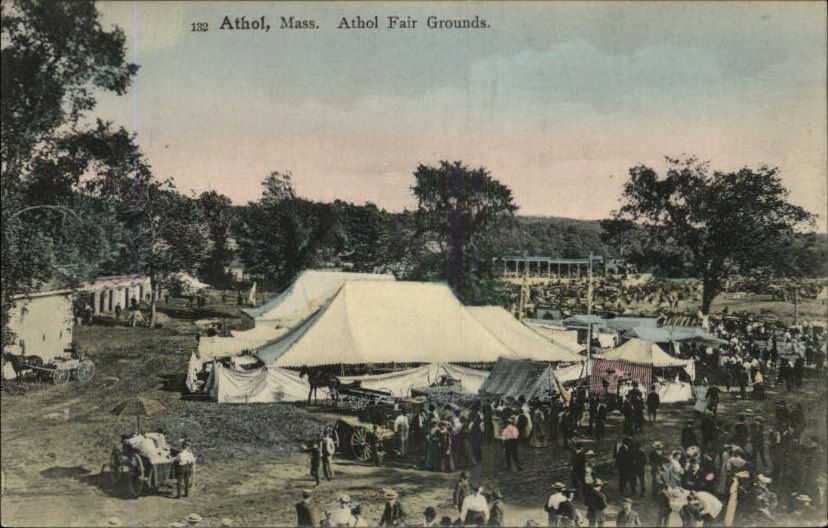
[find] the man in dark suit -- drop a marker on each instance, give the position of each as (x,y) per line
(393,515)
(304,514)
(627,517)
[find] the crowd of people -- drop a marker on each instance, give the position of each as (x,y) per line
(713,471)
(624,293)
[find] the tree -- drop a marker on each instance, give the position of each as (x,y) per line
(168,234)
(53,55)
(280,234)
(718,223)
(459,213)
(220,218)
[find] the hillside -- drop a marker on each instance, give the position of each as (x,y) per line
(554,236)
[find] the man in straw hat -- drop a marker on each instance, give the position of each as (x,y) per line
(475,510)
(627,516)
(393,515)
(341,515)
(555,500)
(184,469)
(596,503)
(497,510)
(304,513)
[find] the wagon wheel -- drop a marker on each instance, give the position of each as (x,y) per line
(61,376)
(137,477)
(115,466)
(85,371)
(359,443)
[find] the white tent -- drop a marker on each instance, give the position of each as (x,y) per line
(256,386)
(567,339)
(517,336)
(275,384)
(387,322)
(401,382)
(189,283)
(239,341)
(647,353)
(311,290)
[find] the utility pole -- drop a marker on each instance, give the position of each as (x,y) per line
(796,311)
(589,309)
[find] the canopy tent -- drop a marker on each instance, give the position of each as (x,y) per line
(516,378)
(310,291)
(634,360)
(517,336)
(387,322)
(666,334)
(647,353)
(275,384)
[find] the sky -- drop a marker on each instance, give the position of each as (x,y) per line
(557,100)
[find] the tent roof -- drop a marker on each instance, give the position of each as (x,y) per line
(387,322)
(518,378)
(517,336)
(628,323)
(585,320)
(310,291)
(665,334)
(191,282)
(643,352)
(217,347)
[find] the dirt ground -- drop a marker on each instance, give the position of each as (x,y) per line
(55,440)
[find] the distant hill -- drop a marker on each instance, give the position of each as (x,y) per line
(554,236)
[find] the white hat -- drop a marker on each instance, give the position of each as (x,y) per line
(766,480)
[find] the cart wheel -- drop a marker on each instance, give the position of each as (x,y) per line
(137,477)
(61,376)
(85,371)
(115,466)
(359,443)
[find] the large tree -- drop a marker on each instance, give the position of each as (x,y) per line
(54,56)
(220,217)
(716,223)
(459,212)
(281,234)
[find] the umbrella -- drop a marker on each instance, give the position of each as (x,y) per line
(137,406)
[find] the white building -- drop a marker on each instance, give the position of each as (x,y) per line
(105,293)
(42,323)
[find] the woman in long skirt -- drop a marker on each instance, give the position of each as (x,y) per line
(539,430)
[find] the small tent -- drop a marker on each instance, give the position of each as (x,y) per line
(308,293)
(526,342)
(516,378)
(635,360)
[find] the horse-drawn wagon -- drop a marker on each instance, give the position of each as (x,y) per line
(59,369)
(356,437)
(135,466)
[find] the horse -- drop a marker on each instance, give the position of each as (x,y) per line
(319,378)
(23,364)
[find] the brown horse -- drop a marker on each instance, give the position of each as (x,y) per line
(23,364)
(317,378)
